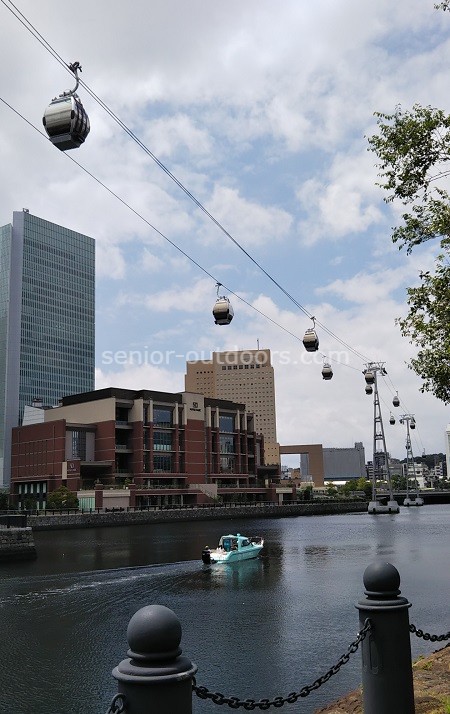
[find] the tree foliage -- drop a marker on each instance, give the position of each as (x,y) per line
(62,498)
(428,326)
(4,500)
(413,148)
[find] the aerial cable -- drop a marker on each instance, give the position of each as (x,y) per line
(345,344)
(30,27)
(154,228)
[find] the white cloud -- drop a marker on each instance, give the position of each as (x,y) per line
(250,222)
(342,202)
(171,298)
(145,376)
(371,287)
(151,263)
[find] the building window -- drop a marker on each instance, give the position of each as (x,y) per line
(226,423)
(122,415)
(162,441)
(227,444)
(227,464)
(78,445)
(162,416)
(162,463)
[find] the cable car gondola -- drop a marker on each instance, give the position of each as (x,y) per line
(369,377)
(396,401)
(392,419)
(369,389)
(65,119)
(222,310)
(327,372)
(310,339)
(412,424)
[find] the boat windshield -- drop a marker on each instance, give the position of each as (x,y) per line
(228,543)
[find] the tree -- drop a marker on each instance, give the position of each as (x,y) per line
(62,498)
(413,148)
(398,482)
(4,500)
(428,326)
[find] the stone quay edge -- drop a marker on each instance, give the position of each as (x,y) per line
(61,521)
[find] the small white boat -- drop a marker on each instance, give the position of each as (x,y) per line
(233,549)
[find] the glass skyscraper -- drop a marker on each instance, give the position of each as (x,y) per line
(47,319)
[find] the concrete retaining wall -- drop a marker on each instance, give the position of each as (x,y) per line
(17,544)
(127,518)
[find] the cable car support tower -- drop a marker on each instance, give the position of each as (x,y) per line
(381,502)
(411,499)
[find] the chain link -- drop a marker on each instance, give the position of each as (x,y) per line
(117,705)
(427,636)
(264,704)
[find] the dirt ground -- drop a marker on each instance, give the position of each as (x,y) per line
(431,688)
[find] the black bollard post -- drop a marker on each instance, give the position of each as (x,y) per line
(387,678)
(155,678)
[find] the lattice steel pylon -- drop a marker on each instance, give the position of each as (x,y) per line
(410,500)
(382,500)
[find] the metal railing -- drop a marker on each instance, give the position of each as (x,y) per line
(181,506)
(156,678)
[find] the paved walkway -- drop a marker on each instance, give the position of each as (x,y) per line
(431,688)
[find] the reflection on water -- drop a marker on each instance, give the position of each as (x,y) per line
(260,628)
(248,574)
(321,554)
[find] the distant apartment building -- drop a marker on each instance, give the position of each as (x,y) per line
(342,464)
(47,319)
(168,449)
(245,376)
(416,470)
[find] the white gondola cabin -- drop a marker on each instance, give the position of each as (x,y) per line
(222,311)
(396,401)
(392,419)
(327,372)
(311,341)
(369,377)
(65,119)
(369,389)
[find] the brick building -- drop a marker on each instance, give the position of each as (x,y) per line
(168,449)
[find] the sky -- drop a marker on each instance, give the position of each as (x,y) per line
(261,110)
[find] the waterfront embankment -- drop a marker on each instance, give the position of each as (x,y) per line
(16,544)
(431,688)
(62,521)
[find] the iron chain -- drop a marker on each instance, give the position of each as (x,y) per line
(117,705)
(264,704)
(427,636)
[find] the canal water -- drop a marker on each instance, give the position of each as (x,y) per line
(258,629)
